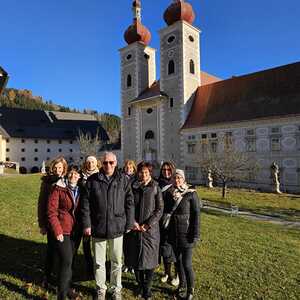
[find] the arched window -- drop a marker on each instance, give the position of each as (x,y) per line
(192,67)
(129,80)
(171,67)
(149,135)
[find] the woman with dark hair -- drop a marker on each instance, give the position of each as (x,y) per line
(182,220)
(142,252)
(56,173)
(62,209)
(165,181)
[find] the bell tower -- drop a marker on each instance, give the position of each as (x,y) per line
(138,72)
(179,73)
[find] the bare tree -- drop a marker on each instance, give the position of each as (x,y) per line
(88,144)
(228,165)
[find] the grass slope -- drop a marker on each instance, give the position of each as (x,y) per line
(237,258)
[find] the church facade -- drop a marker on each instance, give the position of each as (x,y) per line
(174,117)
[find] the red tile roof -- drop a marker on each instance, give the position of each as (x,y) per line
(269,93)
(154,90)
(208,78)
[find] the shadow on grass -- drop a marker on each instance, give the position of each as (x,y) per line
(24,260)
(21,259)
(16,289)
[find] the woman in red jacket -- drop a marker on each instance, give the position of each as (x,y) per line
(62,206)
(57,172)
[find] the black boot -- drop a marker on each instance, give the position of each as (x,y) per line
(190,294)
(181,292)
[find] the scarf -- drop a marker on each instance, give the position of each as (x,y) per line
(86,174)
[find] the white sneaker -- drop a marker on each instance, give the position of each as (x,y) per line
(164,278)
(175,281)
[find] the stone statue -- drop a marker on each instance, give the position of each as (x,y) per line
(43,169)
(1,168)
(209,179)
(147,146)
(275,177)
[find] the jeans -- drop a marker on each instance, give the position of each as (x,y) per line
(184,267)
(115,253)
(65,253)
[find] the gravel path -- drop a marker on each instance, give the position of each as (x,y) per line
(253,216)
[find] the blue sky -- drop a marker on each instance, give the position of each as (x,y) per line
(67,50)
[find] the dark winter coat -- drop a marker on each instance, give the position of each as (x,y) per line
(107,205)
(166,250)
(142,248)
(47,185)
(62,210)
(184,227)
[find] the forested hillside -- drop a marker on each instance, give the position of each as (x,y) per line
(25,99)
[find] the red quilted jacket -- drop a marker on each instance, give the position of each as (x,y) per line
(62,210)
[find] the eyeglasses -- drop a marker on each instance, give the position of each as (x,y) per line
(166,169)
(105,163)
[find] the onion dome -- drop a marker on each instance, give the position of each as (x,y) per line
(136,3)
(179,10)
(137,32)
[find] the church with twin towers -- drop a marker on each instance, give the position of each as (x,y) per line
(176,117)
(153,112)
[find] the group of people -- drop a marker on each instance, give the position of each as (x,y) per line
(124,216)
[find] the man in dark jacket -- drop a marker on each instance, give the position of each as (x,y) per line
(108,212)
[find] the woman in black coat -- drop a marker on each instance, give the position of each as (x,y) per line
(142,252)
(165,182)
(182,219)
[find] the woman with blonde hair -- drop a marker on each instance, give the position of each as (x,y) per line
(129,169)
(57,172)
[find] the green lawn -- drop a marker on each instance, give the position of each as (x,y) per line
(237,258)
(285,206)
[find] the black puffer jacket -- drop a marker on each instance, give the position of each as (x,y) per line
(184,227)
(142,248)
(107,205)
